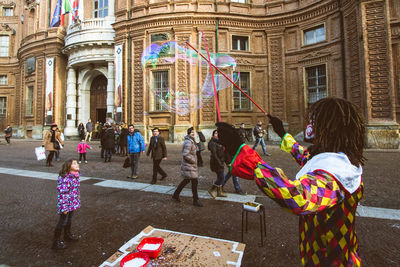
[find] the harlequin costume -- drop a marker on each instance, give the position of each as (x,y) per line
(325,195)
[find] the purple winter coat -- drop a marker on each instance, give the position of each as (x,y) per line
(68,193)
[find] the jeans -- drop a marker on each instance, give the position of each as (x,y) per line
(57,153)
(64,220)
(220,178)
(157,169)
(134,157)
(235,181)
(82,155)
(117,149)
(183,184)
(260,140)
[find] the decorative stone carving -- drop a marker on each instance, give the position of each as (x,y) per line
(208,105)
(138,82)
(40,85)
(183,77)
(276,70)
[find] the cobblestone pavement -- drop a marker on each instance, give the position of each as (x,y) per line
(109,217)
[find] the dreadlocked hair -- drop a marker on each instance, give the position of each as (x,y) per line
(66,167)
(339,127)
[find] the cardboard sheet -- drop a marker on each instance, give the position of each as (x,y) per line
(180,249)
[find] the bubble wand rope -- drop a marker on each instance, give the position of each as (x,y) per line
(212,75)
(223,74)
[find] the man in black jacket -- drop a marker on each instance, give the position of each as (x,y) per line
(158,152)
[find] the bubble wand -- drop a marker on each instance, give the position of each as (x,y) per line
(212,75)
(223,74)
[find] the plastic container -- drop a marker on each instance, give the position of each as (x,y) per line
(151,241)
(137,255)
(252,206)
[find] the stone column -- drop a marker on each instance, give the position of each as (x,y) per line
(110,90)
(70,129)
(382,128)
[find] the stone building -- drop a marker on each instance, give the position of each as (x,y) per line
(288,54)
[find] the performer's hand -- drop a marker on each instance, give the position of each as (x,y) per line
(229,137)
(277,125)
(165,158)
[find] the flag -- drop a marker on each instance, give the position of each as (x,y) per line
(55,22)
(65,8)
(75,7)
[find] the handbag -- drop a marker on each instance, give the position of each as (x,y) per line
(127,163)
(40,153)
(57,145)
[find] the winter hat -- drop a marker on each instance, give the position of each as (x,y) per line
(53,125)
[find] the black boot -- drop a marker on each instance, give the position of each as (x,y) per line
(58,244)
(68,236)
(154,181)
(197,203)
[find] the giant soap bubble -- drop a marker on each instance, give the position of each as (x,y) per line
(184,102)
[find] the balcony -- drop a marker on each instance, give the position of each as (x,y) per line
(90,40)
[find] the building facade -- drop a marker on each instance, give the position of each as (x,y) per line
(131,61)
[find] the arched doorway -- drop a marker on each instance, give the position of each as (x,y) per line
(98,99)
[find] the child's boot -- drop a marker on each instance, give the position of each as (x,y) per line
(68,236)
(58,244)
(220,193)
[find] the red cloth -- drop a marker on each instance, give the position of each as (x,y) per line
(245,162)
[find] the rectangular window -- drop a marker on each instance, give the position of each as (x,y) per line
(160,85)
(8,11)
(3,106)
(4,45)
(315,35)
(29,101)
(100,9)
(240,43)
(3,80)
(239,1)
(240,101)
(316,83)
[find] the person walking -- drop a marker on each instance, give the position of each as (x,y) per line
(235,179)
(68,200)
(96,130)
(200,139)
(82,150)
(259,133)
(81,131)
(123,141)
(158,152)
(327,189)
(89,130)
(58,149)
(8,132)
(217,161)
(243,133)
(189,169)
(50,143)
(108,142)
(135,146)
(99,129)
(102,138)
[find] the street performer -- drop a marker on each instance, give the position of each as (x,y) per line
(327,189)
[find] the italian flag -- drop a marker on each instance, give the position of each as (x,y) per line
(65,8)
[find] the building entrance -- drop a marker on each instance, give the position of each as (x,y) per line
(98,99)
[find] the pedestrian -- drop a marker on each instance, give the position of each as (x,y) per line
(68,200)
(57,152)
(217,161)
(189,169)
(135,146)
(8,132)
(99,129)
(51,141)
(89,130)
(108,142)
(259,133)
(123,141)
(200,139)
(82,150)
(102,138)
(243,133)
(96,130)
(235,179)
(158,152)
(81,131)
(116,140)
(328,188)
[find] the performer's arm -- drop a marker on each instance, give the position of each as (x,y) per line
(299,153)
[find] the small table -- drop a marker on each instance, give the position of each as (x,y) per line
(181,249)
(261,212)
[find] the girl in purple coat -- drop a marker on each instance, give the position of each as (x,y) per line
(67,201)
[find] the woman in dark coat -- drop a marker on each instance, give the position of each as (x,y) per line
(108,142)
(216,165)
(81,131)
(158,152)
(189,169)
(123,140)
